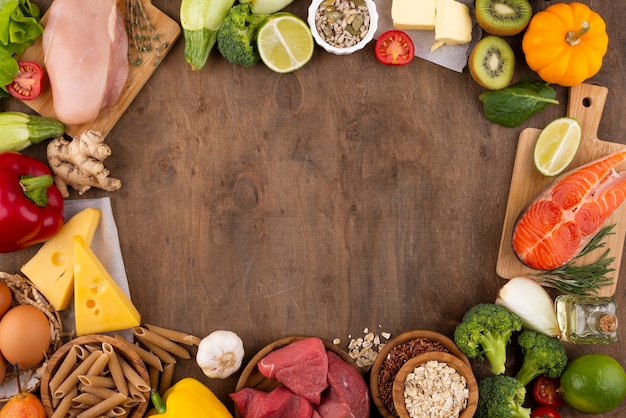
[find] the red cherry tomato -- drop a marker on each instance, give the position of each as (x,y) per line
(394,47)
(546,391)
(27,83)
(545,412)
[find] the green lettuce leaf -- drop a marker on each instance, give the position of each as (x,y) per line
(19,28)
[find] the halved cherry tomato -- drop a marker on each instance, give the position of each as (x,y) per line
(394,47)
(545,412)
(546,391)
(27,83)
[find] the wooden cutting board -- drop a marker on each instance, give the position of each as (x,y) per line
(169,31)
(586,103)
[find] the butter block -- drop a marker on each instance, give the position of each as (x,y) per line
(100,305)
(52,269)
(413,14)
(453,23)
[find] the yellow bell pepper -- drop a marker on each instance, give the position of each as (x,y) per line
(188,398)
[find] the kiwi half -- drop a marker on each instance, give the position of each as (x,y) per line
(503,17)
(491,63)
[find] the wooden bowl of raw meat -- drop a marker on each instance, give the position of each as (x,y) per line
(251,377)
(465,403)
(395,354)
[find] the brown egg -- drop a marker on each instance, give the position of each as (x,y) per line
(24,336)
(6,298)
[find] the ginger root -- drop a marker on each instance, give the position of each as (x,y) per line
(79,163)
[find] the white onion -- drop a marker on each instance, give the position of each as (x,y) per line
(530,301)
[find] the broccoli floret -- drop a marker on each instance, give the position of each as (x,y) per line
(543,355)
(485,331)
(501,397)
(236,39)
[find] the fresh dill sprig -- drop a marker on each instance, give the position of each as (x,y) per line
(588,278)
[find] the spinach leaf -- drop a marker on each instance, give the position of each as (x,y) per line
(512,105)
(19,29)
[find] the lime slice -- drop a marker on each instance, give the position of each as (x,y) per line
(557,145)
(285,42)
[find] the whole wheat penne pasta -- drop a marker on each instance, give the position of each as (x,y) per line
(64,370)
(92,347)
(73,412)
(72,379)
(145,335)
(133,377)
(86,399)
(81,352)
(173,335)
(153,376)
(62,408)
(100,392)
(136,394)
(103,407)
(116,411)
(147,357)
(98,366)
(97,381)
(116,370)
(164,355)
(130,403)
(166,378)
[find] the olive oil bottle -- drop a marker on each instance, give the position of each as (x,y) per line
(587,319)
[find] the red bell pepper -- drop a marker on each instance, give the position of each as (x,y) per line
(31,206)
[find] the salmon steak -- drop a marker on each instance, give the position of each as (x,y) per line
(563,218)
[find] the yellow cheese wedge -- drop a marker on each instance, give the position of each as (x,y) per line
(52,269)
(100,305)
(413,14)
(453,23)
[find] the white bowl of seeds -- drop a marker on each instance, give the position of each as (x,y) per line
(342,27)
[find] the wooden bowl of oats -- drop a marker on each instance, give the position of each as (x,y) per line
(395,354)
(435,384)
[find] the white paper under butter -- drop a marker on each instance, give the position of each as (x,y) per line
(453,57)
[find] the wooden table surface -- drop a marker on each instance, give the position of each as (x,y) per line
(346,195)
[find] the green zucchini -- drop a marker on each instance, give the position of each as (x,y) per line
(201,20)
(19,130)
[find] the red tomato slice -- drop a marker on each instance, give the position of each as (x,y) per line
(27,83)
(394,47)
(546,391)
(545,412)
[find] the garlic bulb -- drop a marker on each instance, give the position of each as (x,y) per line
(530,301)
(220,354)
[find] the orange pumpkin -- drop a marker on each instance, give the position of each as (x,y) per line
(565,43)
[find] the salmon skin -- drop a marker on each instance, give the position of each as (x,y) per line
(558,224)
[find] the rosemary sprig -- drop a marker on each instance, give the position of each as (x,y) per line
(587,278)
(141,34)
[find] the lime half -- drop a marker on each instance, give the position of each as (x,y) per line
(285,42)
(557,145)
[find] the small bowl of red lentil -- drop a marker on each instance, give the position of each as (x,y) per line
(395,354)
(435,384)
(342,27)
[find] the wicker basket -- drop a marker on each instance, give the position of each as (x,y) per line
(24,292)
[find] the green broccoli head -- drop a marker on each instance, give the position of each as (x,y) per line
(485,331)
(236,39)
(543,355)
(501,396)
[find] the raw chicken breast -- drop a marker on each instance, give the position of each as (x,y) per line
(85,53)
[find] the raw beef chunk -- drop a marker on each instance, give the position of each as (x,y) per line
(302,366)
(347,395)
(279,403)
